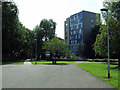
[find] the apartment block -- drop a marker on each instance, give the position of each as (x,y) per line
(77,28)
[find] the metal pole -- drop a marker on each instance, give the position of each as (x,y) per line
(108,48)
(36,53)
(31,52)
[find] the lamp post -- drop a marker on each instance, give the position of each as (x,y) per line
(31,52)
(36,51)
(104,9)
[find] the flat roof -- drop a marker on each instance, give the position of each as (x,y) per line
(80,12)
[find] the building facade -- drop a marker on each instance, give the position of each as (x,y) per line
(77,28)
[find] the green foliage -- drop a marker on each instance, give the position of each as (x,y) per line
(38,34)
(100,46)
(15,37)
(13,62)
(50,62)
(57,47)
(18,41)
(48,28)
(98,21)
(106,59)
(44,31)
(9,27)
(100,70)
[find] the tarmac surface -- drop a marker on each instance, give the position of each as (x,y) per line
(49,76)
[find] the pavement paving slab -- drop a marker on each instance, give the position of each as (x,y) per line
(49,76)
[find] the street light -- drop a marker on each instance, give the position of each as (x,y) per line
(104,9)
(31,52)
(36,52)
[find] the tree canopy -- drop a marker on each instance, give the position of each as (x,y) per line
(45,31)
(57,47)
(100,46)
(48,28)
(15,37)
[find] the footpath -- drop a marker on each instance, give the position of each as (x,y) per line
(27,62)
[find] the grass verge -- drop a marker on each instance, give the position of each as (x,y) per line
(13,62)
(114,60)
(100,70)
(50,62)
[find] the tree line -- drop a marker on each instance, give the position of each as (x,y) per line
(19,42)
(96,46)
(100,45)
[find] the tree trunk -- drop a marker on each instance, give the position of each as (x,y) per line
(53,61)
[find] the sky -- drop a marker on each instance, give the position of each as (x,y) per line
(31,12)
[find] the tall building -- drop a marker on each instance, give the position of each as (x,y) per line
(78,28)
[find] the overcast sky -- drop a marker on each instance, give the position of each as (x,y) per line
(31,12)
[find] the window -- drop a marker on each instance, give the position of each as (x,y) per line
(74,32)
(92,20)
(65,34)
(77,26)
(80,26)
(80,31)
(65,29)
(80,20)
(75,41)
(72,46)
(66,24)
(66,38)
(75,36)
(72,42)
(92,26)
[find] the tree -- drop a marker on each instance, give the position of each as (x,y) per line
(15,37)
(48,28)
(57,47)
(44,31)
(100,45)
(9,28)
(39,36)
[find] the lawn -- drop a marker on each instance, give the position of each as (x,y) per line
(50,62)
(13,62)
(115,60)
(100,70)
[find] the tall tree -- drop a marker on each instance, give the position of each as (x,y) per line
(15,37)
(9,27)
(100,45)
(45,31)
(48,27)
(38,32)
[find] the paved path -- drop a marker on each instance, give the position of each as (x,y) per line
(27,62)
(49,76)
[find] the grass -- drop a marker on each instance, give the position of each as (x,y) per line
(13,62)
(100,70)
(50,62)
(116,60)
